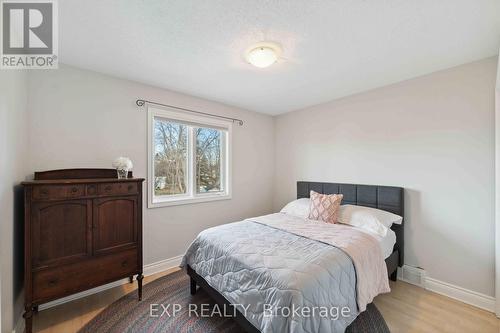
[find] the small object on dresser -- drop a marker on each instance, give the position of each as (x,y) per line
(122,166)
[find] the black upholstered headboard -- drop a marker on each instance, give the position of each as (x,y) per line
(387,198)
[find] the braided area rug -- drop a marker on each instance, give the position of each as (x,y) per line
(131,316)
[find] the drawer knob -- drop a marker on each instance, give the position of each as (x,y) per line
(124,263)
(108,188)
(52,282)
(44,191)
(130,187)
(74,190)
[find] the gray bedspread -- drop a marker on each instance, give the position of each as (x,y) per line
(281,282)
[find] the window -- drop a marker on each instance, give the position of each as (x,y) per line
(189,158)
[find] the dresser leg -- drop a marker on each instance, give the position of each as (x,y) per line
(131,279)
(28,318)
(139,282)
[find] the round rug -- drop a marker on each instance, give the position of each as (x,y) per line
(129,315)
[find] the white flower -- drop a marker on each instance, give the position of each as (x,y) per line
(123,163)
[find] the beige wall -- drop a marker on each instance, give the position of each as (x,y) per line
(434,136)
(80,118)
(13,102)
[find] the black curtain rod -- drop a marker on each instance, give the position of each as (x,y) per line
(141,102)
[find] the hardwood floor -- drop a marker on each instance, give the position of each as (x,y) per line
(406,309)
(70,317)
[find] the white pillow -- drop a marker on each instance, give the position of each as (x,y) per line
(299,208)
(371,219)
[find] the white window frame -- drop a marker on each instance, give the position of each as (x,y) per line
(191,197)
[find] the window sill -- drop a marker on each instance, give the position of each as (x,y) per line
(187,201)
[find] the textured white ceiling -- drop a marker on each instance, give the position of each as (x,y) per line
(331,48)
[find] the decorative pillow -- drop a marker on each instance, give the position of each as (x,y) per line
(299,208)
(325,207)
(371,219)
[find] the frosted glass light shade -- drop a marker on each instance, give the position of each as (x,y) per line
(262,56)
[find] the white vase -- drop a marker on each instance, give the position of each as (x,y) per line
(122,173)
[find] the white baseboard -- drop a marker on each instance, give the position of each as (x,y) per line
(149,269)
(162,265)
(19,326)
(474,298)
(467,296)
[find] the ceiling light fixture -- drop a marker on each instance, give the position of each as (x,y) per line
(263,54)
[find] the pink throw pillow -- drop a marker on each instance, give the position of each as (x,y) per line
(325,207)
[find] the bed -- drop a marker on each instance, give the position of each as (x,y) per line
(225,275)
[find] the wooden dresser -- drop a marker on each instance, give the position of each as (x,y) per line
(83,229)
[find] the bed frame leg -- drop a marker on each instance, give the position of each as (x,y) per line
(394,275)
(193,286)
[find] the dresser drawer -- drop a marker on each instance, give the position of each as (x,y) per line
(117,188)
(58,192)
(69,279)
